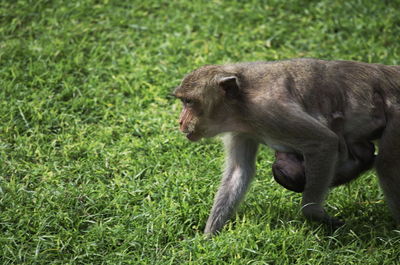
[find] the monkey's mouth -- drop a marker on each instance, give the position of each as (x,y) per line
(192,136)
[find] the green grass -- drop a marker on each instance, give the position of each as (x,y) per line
(93,169)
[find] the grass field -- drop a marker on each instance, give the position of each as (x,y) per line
(93,169)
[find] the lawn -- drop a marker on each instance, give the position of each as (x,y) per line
(93,168)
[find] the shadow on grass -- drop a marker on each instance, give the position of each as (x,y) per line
(364,222)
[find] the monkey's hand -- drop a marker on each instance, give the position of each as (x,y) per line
(315,212)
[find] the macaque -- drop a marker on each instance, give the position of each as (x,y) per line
(288,168)
(292,106)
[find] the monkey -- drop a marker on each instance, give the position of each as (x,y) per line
(288,168)
(287,106)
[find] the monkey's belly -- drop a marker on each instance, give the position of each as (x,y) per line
(368,121)
(280,148)
(360,125)
(275,145)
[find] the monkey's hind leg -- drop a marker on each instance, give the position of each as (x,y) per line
(388,164)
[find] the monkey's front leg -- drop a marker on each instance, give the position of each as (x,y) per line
(320,168)
(239,169)
(319,146)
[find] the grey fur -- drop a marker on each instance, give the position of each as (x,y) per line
(239,170)
(287,105)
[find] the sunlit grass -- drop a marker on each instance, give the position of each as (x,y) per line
(93,169)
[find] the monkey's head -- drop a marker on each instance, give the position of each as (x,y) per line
(209,95)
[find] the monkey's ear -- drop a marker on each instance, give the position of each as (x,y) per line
(230,86)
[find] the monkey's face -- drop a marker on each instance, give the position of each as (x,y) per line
(207,96)
(190,119)
(197,119)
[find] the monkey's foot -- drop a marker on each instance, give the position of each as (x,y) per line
(315,212)
(334,223)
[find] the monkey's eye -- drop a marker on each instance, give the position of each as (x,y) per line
(187,101)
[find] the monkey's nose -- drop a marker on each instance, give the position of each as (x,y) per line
(181,127)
